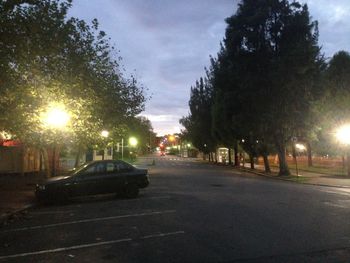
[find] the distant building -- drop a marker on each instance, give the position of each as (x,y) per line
(15,158)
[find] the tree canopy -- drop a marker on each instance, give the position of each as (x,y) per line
(48,59)
(266,77)
(51,58)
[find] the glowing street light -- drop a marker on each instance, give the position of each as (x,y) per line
(343,134)
(56,117)
(104,134)
(300,147)
(133,141)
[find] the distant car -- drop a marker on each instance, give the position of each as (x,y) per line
(97,177)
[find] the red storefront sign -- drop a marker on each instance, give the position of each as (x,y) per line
(10,143)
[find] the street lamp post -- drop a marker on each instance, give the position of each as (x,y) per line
(122,149)
(104,134)
(132,143)
(294,140)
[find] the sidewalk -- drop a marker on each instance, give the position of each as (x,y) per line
(304,177)
(16,193)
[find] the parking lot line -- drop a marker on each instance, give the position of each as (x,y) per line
(52,212)
(61,249)
(163,234)
(148,197)
(88,220)
(339,192)
(159,197)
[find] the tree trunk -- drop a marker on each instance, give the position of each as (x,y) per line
(77,157)
(235,149)
(294,153)
(229,156)
(41,163)
(251,160)
(309,154)
(46,162)
(23,160)
(54,151)
(266,163)
(281,150)
(216,157)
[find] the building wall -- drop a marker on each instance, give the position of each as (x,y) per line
(105,154)
(15,159)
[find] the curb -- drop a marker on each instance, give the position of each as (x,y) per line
(279,178)
(285,179)
(5,216)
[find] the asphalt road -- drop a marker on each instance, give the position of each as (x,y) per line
(191,212)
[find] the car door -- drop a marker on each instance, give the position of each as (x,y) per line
(112,180)
(90,180)
(125,171)
(118,176)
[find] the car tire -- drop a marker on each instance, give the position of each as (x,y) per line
(62,197)
(131,191)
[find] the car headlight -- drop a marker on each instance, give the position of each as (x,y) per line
(41,187)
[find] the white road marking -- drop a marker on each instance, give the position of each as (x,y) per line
(88,220)
(52,212)
(335,205)
(158,197)
(61,249)
(146,197)
(163,234)
(341,192)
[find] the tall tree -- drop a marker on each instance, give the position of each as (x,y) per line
(274,47)
(224,81)
(198,122)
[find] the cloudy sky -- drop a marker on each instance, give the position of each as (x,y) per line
(168,43)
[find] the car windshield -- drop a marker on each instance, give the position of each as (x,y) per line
(74,171)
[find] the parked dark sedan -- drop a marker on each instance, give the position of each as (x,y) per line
(97,177)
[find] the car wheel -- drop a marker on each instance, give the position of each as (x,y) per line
(42,200)
(62,197)
(131,191)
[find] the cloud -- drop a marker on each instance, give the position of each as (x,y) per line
(168,42)
(160,118)
(333,17)
(164,124)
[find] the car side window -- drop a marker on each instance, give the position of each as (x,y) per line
(110,167)
(100,168)
(90,169)
(95,168)
(123,167)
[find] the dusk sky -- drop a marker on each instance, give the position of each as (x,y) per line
(168,43)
